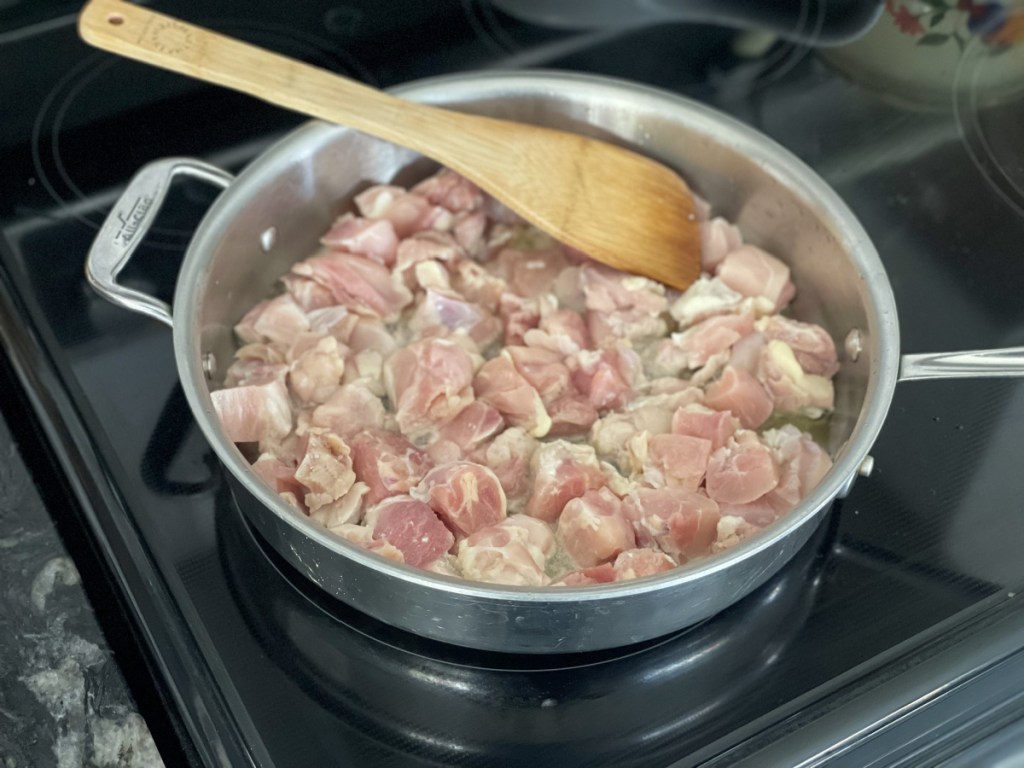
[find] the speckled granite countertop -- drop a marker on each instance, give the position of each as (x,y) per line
(63,700)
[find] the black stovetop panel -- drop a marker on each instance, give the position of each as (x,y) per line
(265,668)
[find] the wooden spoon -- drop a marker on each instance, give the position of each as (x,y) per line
(620,208)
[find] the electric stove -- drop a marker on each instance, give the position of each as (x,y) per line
(895,637)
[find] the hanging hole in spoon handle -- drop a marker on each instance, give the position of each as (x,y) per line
(976,364)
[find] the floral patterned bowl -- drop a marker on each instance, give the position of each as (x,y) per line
(928,52)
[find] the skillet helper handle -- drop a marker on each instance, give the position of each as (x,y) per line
(981,363)
(126,226)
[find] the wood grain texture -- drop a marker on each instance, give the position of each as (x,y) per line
(619,207)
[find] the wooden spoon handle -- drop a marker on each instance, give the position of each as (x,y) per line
(144,35)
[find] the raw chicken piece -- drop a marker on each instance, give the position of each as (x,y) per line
(718,237)
(811,344)
(792,390)
(519,316)
(388,463)
(350,408)
(448,310)
(472,427)
(698,421)
(599,574)
(610,434)
(360,284)
(731,531)
(254,362)
(278,320)
(503,554)
(540,539)
(746,353)
(637,563)
(428,382)
(445,565)
(373,238)
(568,289)
(681,523)
(278,474)
(412,527)
(408,213)
(803,463)
(706,297)
(449,189)
(531,273)
(742,395)
(758,513)
(571,415)
(466,496)
(562,331)
(307,292)
(543,370)
(469,230)
(366,368)
(508,456)
(326,469)
(675,461)
(478,285)
(501,386)
(258,410)
(594,529)
(754,272)
(621,306)
(368,333)
(334,320)
(712,336)
(344,511)
(597,375)
(424,247)
(317,365)
(561,471)
(362,536)
(741,471)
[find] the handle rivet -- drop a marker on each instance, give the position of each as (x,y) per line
(853,345)
(209,365)
(268,238)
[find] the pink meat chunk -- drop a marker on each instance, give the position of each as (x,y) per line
(449,189)
(717,237)
(803,463)
(571,415)
(343,511)
(388,463)
(791,389)
(503,554)
(412,527)
(278,320)
(742,395)
(358,283)
(466,496)
(561,471)
(731,532)
(706,297)
(373,238)
(326,469)
(598,574)
(598,376)
(759,512)
(622,306)
(681,523)
(754,272)
(448,310)
(278,474)
(594,529)
(543,370)
(349,409)
(519,315)
(501,386)
(469,230)
(679,460)
(307,292)
(707,338)
(428,382)
(813,348)
(472,427)
(408,213)
(508,455)
(478,285)
(562,330)
(260,410)
(741,471)
(427,246)
(317,367)
(362,537)
(531,273)
(698,421)
(637,563)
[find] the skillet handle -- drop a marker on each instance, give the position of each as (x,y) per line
(129,221)
(980,363)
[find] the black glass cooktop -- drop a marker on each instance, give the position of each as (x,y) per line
(904,598)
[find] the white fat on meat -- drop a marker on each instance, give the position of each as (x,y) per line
(514,553)
(408,213)
(361,285)
(363,537)
(669,460)
(277,320)
(754,272)
(730,532)
(428,383)
(509,455)
(641,562)
(326,469)
(439,308)
(813,348)
(791,389)
(316,368)
(349,409)
(388,463)
(717,238)
(622,307)
(706,297)
(742,395)
(698,420)
(802,465)
(344,511)
(679,522)
(451,190)
(593,528)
